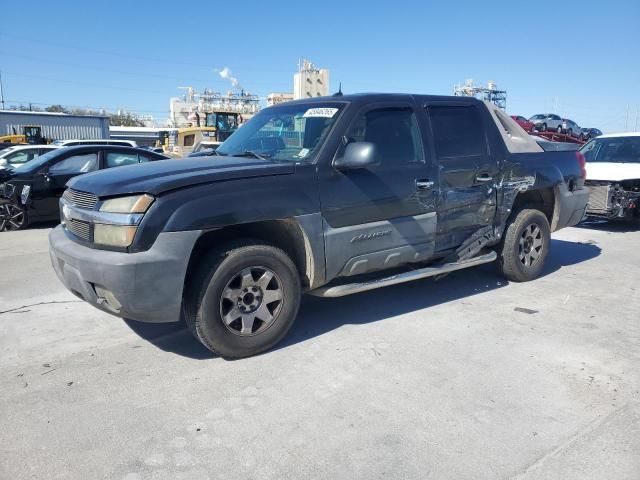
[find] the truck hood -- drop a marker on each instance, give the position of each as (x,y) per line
(164,175)
(612,171)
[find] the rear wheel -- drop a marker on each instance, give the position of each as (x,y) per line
(243,299)
(12,216)
(559,129)
(525,246)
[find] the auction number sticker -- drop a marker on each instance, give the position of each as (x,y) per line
(320,112)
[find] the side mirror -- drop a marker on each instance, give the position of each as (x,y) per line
(357,155)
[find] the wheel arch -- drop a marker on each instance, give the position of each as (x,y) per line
(298,237)
(543,199)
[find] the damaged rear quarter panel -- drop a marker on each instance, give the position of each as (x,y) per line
(559,171)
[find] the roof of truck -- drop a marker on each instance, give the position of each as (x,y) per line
(381,97)
(624,134)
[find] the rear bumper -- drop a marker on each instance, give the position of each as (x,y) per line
(145,286)
(571,207)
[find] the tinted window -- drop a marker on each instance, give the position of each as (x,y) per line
(189,139)
(118,159)
(393,131)
(76,164)
(457,132)
(20,157)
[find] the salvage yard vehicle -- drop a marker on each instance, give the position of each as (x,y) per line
(589,133)
(323,196)
(544,122)
(523,122)
(31,191)
(613,176)
(569,127)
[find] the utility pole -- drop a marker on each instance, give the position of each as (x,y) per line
(635,129)
(1,91)
(626,123)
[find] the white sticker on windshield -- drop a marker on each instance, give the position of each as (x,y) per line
(320,112)
(303,153)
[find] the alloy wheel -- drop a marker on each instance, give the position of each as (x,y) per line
(251,301)
(531,245)
(12,217)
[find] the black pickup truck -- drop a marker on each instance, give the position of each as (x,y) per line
(329,196)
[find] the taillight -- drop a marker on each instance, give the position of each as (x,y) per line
(583,164)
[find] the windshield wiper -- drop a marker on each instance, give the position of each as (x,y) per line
(251,153)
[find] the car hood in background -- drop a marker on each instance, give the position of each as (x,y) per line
(162,176)
(612,171)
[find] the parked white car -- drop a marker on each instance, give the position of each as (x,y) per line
(19,154)
(613,175)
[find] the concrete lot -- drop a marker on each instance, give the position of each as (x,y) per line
(468,377)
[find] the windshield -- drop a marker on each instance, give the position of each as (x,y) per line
(288,133)
(36,163)
(616,149)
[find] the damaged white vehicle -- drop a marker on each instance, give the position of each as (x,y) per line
(613,176)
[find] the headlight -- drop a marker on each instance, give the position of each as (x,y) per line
(24,196)
(132,204)
(113,235)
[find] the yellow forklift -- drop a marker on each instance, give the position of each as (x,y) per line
(218,127)
(31,134)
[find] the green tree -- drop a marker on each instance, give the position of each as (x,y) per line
(56,109)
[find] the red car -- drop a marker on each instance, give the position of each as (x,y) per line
(523,122)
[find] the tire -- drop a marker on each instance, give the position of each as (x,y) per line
(519,257)
(559,129)
(12,217)
(225,304)
(543,127)
(570,132)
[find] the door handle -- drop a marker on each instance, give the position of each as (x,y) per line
(483,177)
(424,184)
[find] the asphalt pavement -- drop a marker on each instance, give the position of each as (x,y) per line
(466,377)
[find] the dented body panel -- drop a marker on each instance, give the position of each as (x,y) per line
(444,202)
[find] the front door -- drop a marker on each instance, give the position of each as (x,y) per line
(384,215)
(468,172)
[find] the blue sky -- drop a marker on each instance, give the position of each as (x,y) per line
(582,57)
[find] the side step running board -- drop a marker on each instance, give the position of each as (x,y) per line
(349,288)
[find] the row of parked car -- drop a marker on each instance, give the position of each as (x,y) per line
(550,122)
(33,177)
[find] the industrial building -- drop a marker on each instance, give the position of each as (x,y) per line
(489,93)
(55,126)
(310,81)
(188,109)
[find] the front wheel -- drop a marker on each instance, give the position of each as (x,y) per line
(543,127)
(525,246)
(243,299)
(12,216)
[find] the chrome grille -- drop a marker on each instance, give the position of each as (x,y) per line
(80,199)
(599,196)
(79,228)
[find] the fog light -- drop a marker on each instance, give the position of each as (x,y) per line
(107,298)
(113,235)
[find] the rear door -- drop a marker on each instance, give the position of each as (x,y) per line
(383,215)
(467,171)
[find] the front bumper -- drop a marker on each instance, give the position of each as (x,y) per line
(145,286)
